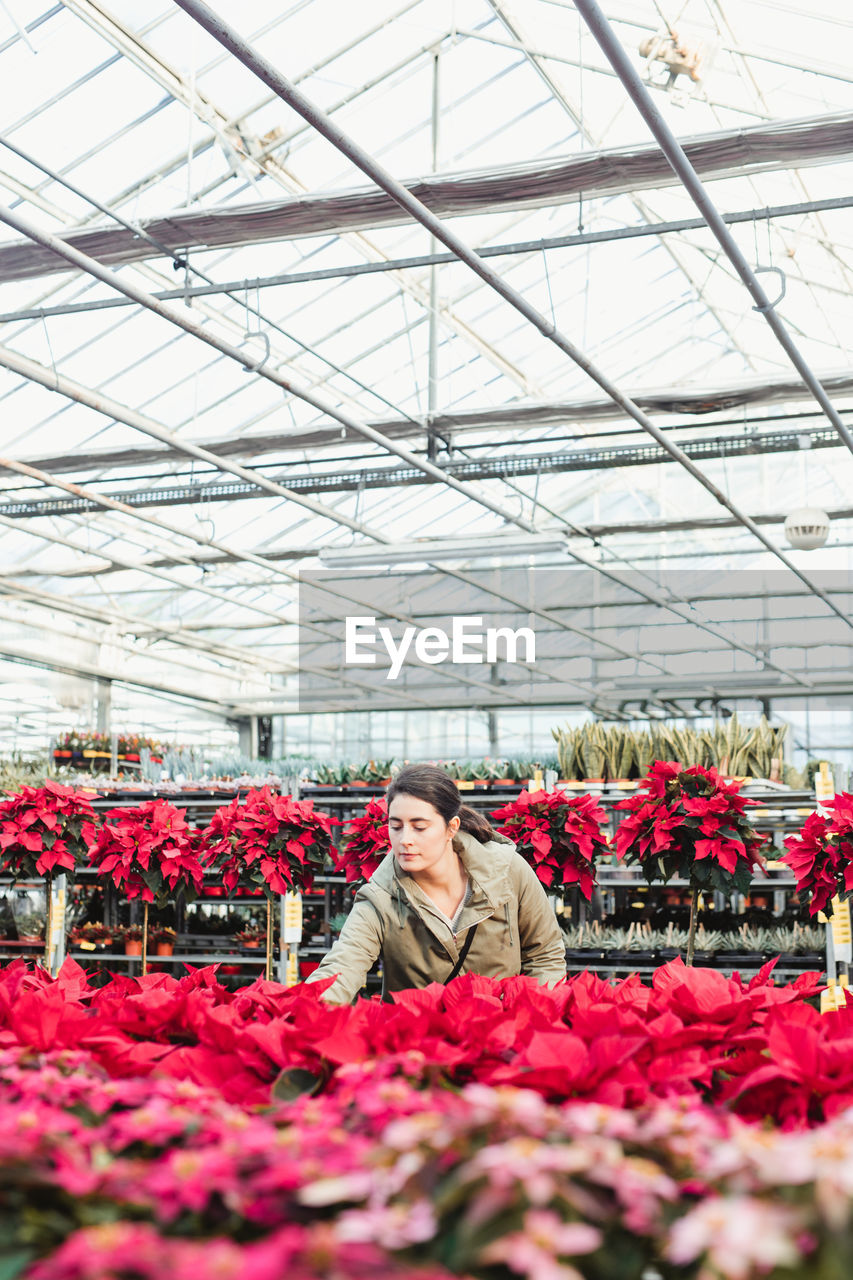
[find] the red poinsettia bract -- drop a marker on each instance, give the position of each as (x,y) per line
(269,840)
(690,823)
(149,851)
(365,841)
(821,855)
(45,829)
(559,835)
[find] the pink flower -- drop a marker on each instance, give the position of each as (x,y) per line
(535,1249)
(739,1236)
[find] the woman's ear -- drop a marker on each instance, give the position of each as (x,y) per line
(453,826)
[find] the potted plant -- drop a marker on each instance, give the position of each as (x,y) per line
(94,936)
(44,830)
(364,841)
(559,835)
(132,935)
(821,855)
(692,824)
(30,927)
(270,842)
(149,852)
(250,937)
(163,940)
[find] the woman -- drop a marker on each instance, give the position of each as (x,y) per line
(452,896)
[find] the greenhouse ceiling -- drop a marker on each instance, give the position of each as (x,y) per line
(431,275)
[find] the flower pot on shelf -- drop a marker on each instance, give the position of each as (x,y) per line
(164,948)
(133,947)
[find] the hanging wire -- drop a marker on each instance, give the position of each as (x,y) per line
(52,357)
(548,282)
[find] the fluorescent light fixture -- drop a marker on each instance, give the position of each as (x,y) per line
(429,551)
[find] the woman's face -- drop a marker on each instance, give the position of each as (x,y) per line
(420,838)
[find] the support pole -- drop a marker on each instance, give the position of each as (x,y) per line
(144,939)
(432,377)
(691,937)
(48,920)
(268,973)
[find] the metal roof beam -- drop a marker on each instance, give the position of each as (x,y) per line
(682,401)
(593,458)
(345,272)
(543,183)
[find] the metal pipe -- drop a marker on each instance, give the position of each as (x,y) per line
(435,259)
(274,80)
(501,467)
(432,375)
(675,154)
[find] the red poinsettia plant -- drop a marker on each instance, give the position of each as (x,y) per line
(269,840)
(365,841)
(821,854)
(690,823)
(558,834)
(149,851)
(45,829)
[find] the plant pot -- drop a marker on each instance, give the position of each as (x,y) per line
(357,782)
(133,947)
(62,755)
(31,939)
(164,948)
(252,946)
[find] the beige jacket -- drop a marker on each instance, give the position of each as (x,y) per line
(392,916)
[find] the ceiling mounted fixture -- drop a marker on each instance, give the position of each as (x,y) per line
(678,57)
(807,528)
(440,549)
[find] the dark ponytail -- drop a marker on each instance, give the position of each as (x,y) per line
(475,824)
(429,783)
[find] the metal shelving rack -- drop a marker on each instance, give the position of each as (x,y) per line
(780,812)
